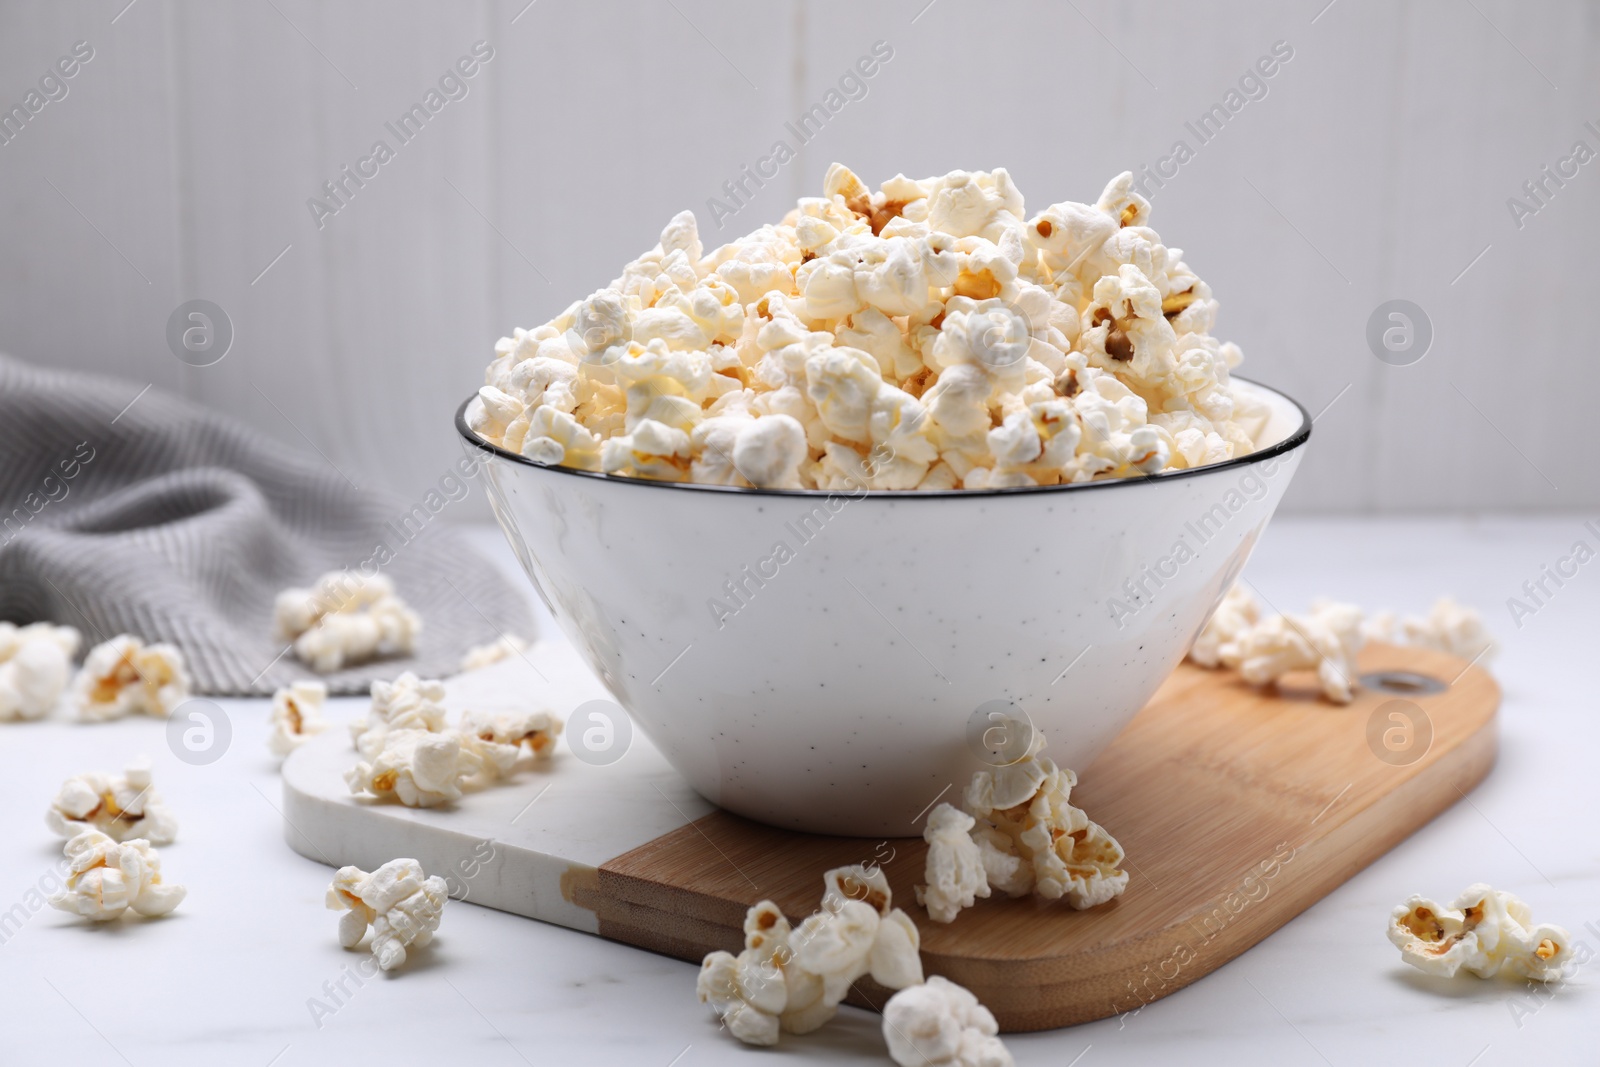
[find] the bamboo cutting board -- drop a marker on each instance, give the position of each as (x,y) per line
(1238,809)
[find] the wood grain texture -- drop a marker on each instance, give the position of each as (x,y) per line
(1238,809)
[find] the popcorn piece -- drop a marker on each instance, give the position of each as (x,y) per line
(1237,613)
(506,646)
(749,992)
(296,716)
(537,730)
(346,618)
(954,870)
(1484,932)
(124,676)
(35,667)
(398,901)
(793,979)
(916,336)
(1325,641)
(941,1024)
(108,878)
(407,703)
(122,807)
(1031,840)
(1449,627)
(418,768)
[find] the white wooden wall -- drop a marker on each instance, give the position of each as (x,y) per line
(1377,167)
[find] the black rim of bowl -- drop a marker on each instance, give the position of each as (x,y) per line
(1288,444)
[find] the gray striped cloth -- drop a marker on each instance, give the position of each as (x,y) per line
(171,523)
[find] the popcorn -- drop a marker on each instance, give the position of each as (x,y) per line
(35,667)
(1237,613)
(1326,641)
(1031,840)
(407,703)
(347,618)
(792,979)
(920,336)
(124,676)
(480,656)
(1449,627)
(108,878)
(123,807)
(398,901)
(296,716)
(418,768)
(954,869)
(537,730)
(941,1024)
(1484,932)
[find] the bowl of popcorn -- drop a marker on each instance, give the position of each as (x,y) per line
(833,506)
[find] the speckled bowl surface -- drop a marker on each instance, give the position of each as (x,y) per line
(832,662)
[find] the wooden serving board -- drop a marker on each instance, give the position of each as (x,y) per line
(1238,809)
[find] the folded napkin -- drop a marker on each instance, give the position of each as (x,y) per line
(174,524)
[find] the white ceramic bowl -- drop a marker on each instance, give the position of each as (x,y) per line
(831,663)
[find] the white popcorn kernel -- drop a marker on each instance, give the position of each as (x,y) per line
(941,1024)
(35,668)
(769,451)
(750,992)
(1031,839)
(398,901)
(386,628)
(555,438)
(124,676)
(418,768)
(793,980)
(1449,627)
(107,879)
(296,716)
(1237,613)
(535,730)
(123,807)
(1483,932)
(652,450)
(504,647)
(346,618)
(1325,641)
(954,869)
(407,703)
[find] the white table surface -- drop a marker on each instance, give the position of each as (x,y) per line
(229,977)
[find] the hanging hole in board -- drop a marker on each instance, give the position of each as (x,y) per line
(1403,683)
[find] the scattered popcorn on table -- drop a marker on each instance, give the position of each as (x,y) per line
(1233,618)
(296,716)
(505,647)
(407,703)
(1328,639)
(124,676)
(941,1024)
(954,871)
(1325,641)
(398,901)
(108,878)
(1484,932)
(929,335)
(793,979)
(35,667)
(537,730)
(1033,841)
(418,768)
(344,619)
(122,807)
(1449,627)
